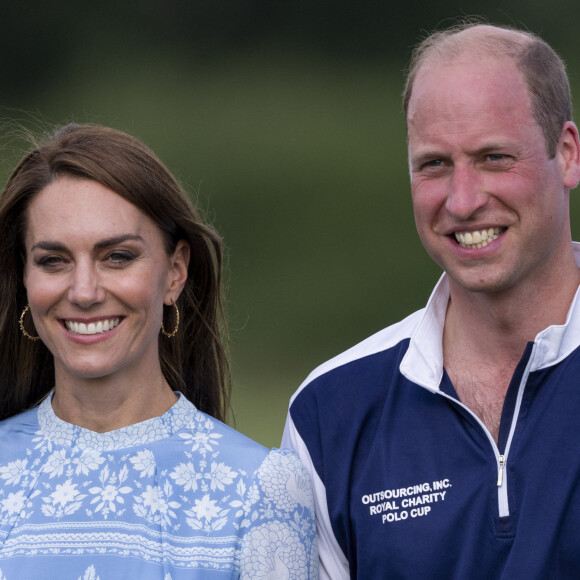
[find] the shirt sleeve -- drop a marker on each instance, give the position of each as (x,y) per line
(281,540)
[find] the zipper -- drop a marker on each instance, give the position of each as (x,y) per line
(502,476)
(502,496)
(500,468)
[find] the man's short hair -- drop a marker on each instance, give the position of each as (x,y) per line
(543,70)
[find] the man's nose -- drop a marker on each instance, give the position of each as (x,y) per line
(466,194)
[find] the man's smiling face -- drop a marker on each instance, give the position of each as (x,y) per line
(490,207)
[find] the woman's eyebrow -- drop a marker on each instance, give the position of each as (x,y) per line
(53,246)
(113,241)
(50,246)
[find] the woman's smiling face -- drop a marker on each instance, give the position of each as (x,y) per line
(97,274)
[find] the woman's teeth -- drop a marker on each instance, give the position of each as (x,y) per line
(92,327)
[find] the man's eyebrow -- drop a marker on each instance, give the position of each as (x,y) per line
(430,155)
(423,156)
(53,246)
(489,148)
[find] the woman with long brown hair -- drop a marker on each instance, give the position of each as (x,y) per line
(111,317)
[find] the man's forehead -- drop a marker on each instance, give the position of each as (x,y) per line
(469,75)
(481,47)
(438,65)
(475,103)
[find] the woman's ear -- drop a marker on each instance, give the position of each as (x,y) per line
(178,267)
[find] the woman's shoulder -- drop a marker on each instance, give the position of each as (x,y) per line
(241,449)
(25,423)
(17,438)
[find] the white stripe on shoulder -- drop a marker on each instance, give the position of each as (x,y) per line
(378,342)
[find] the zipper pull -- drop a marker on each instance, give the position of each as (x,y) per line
(500,470)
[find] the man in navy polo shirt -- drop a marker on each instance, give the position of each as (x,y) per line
(447,445)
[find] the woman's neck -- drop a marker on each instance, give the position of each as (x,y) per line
(105,404)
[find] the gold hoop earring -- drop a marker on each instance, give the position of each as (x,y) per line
(172,334)
(21,324)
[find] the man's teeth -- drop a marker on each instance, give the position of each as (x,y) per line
(92,327)
(478,239)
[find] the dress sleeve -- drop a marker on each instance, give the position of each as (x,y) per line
(280,544)
(333,564)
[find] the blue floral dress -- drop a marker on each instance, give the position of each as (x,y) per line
(181,496)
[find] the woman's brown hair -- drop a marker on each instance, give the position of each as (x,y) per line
(194,361)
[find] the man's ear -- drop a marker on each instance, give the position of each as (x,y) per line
(568,153)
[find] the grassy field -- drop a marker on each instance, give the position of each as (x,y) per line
(301,165)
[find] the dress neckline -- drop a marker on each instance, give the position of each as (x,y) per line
(59,432)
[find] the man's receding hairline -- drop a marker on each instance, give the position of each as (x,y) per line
(543,70)
(480,41)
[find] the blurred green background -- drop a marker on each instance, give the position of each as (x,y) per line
(283,120)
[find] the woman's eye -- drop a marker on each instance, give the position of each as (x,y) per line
(49,261)
(121,257)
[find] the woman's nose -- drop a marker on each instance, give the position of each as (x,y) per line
(85,288)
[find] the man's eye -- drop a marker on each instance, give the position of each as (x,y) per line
(496,156)
(431,164)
